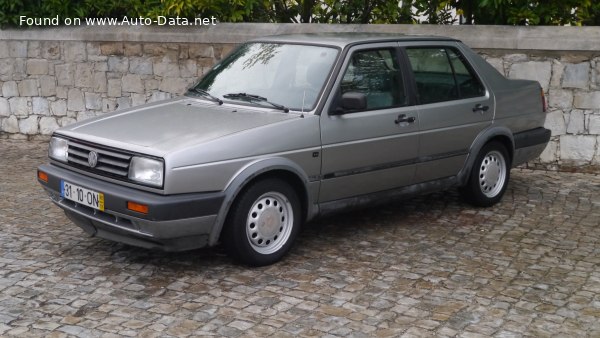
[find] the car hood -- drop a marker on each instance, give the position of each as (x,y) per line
(170,125)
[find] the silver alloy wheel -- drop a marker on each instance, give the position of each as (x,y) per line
(492,173)
(269,222)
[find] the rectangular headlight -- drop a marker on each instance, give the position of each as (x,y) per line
(58,149)
(146,171)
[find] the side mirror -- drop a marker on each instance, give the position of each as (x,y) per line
(351,101)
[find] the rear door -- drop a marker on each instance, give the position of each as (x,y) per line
(454,107)
(369,150)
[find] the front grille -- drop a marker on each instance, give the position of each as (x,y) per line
(109,162)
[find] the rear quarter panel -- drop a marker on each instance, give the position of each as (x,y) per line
(519,105)
(518,102)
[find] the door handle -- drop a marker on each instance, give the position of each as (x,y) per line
(402,118)
(480,108)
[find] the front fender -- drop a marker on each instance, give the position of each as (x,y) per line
(250,172)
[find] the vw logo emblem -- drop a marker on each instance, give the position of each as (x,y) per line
(92,159)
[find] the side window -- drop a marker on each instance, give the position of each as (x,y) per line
(442,75)
(375,73)
(468,84)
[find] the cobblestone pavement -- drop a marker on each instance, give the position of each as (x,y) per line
(431,266)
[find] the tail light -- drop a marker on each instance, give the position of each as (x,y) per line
(544,102)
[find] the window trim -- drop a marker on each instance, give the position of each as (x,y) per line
(403,78)
(461,56)
(453,74)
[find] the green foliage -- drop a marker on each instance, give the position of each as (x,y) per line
(500,12)
(11,10)
(592,15)
(435,11)
(528,12)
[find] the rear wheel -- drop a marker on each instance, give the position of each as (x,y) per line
(263,223)
(489,176)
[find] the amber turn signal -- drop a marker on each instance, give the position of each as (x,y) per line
(137,207)
(43,176)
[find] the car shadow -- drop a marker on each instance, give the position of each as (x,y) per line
(366,223)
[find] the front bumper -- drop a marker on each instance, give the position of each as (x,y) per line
(173,223)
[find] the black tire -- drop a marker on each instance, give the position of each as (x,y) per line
(263,223)
(489,176)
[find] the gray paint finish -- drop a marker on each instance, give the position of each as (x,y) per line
(337,160)
(175,124)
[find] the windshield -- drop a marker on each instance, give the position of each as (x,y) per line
(284,74)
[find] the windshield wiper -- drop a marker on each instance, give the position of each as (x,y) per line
(206,94)
(256,98)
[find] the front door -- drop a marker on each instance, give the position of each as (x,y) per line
(372,149)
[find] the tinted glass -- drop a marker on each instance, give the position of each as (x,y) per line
(375,73)
(442,74)
(468,83)
(433,74)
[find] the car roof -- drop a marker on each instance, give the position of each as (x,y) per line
(347,38)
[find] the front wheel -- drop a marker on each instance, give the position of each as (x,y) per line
(489,176)
(263,223)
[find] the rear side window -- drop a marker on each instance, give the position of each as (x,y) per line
(375,73)
(442,74)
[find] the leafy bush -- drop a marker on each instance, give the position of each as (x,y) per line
(223,10)
(501,12)
(12,10)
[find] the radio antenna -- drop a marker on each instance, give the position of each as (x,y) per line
(303,98)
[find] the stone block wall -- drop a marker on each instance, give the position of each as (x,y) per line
(572,85)
(48,84)
(53,77)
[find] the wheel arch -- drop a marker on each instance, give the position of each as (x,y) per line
(500,134)
(279,167)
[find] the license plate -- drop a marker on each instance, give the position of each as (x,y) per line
(81,195)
